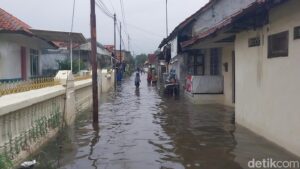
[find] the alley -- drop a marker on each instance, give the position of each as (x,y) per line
(141,129)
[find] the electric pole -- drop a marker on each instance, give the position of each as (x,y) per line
(120,42)
(94,62)
(115,47)
(128,43)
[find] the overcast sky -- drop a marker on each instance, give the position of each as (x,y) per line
(145,18)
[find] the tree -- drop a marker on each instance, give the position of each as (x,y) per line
(66,65)
(140,59)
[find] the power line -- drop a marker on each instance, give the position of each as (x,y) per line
(112,6)
(104,6)
(123,15)
(144,30)
(104,9)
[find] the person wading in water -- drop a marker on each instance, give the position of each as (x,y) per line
(137,80)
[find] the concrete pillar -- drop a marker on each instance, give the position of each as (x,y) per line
(70,111)
(67,79)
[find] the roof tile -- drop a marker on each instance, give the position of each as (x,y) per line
(9,22)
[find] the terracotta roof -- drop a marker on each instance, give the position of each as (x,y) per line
(10,23)
(110,48)
(152,58)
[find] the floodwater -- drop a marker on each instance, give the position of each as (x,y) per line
(141,129)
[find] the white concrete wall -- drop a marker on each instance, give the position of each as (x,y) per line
(107,81)
(226,57)
(10,60)
(174,47)
(228,81)
(268,90)
(218,12)
(19,113)
(10,54)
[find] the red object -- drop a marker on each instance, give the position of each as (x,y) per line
(9,22)
(188,85)
(23,63)
(149,77)
(152,58)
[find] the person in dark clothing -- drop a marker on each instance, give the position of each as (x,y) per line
(137,80)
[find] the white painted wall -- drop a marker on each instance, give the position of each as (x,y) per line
(226,97)
(218,12)
(228,83)
(10,54)
(10,60)
(268,90)
(174,46)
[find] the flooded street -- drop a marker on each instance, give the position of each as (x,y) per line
(141,129)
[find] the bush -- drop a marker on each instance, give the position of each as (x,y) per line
(5,163)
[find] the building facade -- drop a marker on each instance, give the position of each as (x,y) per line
(247,53)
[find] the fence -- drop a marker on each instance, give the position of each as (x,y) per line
(11,87)
(82,77)
(24,127)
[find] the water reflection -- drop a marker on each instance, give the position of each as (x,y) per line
(142,129)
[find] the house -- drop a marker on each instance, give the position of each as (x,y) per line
(104,56)
(81,49)
(122,55)
(20,49)
(253,44)
(205,72)
(50,58)
(110,48)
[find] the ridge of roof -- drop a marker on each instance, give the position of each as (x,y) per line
(187,21)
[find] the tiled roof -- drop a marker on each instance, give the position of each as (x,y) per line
(152,58)
(9,22)
(110,48)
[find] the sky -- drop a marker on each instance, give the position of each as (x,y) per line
(145,20)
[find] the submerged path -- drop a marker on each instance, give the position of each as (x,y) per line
(140,129)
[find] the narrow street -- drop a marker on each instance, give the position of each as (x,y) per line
(140,129)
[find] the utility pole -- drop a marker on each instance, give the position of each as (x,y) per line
(71,53)
(128,43)
(94,62)
(71,40)
(115,47)
(120,42)
(167,25)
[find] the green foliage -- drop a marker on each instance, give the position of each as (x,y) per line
(66,65)
(5,162)
(40,128)
(140,59)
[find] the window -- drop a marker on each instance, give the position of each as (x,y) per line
(34,62)
(252,42)
(196,65)
(215,61)
(297,32)
(278,45)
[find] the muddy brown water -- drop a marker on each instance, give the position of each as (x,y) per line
(142,129)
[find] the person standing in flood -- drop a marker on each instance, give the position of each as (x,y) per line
(137,80)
